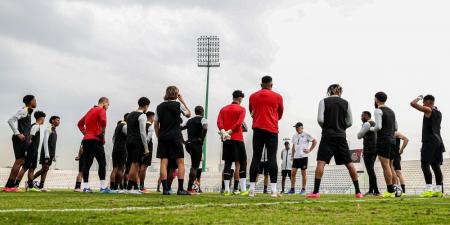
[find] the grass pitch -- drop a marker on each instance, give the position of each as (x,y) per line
(64,207)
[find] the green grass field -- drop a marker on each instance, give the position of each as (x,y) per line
(63,207)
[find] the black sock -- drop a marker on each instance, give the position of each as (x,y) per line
(403,188)
(30,184)
(41,184)
(78,185)
(317,185)
(131,185)
(180,184)
(265,188)
(142,185)
(112,185)
(390,188)
(236,185)
(356,184)
(164,185)
(190,184)
(10,183)
(223,185)
(136,186)
(16,183)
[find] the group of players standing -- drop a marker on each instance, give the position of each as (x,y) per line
(133,145)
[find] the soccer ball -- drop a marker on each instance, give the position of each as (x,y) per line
(196,187)
(398,191)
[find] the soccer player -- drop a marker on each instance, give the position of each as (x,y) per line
(300,152)
(35,140)
(385,126)
(229,122)
(20,125)
(137,145)
(81,164)
(266,108)
(119,153)
(170,140)
(399,146)
(48,152)
(334,117)
(92,125)
(369,151)
(432,145)
(286,164)
(147,159)
(197,127)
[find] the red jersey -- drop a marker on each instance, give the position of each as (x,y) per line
(93,124)
(231,117)
(266,107)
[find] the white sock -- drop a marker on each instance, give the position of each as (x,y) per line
(252,186)
(86,185)
(243,182)
(273,187)
(429,187)
(102,184)
(227,185)
(438,188)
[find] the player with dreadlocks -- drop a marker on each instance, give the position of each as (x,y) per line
(334,117)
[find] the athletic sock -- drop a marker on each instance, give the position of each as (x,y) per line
(10,183)
(142,186)
(30,184)
(227,185)
(243,184)
(77,185)
(429,187)
(180,184)
(136,186)
(102,184)
(164,185)
(130,185)
(403,188)
(273,187)
(390,188)
(265,188)
(356,184)
(439,188)
(17,183)
(41,184)
(317,185)
(236,185)
(112,185)
(223,185)
(252,186)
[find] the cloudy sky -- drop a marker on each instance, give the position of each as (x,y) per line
(69,53)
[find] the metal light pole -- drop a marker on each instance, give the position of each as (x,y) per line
(208,56)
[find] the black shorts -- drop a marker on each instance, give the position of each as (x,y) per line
(264,168)
(301,163)
(432,153)
(397,161)
(286,173)
(42,159)
(147,159)
(196,151)
(385,150)
(135,150)
(81,163)
(234,151)
(31,159)
(334,147)
(119,158)
(20,147)
(170,149)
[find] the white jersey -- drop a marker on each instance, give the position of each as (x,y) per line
(286,159)
(301,143)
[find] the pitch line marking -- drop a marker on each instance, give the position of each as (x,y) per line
(199,206)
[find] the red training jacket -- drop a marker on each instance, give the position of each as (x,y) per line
(266,107)
(93,124)
(232,117)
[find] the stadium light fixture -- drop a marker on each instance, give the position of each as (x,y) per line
(207,56)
